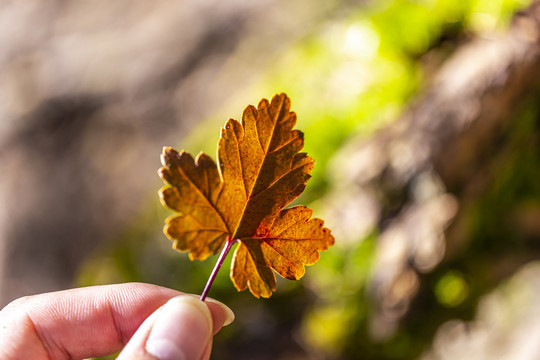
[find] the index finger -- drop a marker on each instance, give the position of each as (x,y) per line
(84,322)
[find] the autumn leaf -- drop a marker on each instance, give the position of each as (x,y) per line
(242,200)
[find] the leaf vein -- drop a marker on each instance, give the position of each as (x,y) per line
(190,181)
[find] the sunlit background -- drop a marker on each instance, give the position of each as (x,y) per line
(433,269)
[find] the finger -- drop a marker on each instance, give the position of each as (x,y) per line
(81,322)
(207,351)
(182,329)
(84,322)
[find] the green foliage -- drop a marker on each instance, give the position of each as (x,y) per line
(516,189)
(451,289)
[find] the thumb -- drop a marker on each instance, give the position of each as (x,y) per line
(180,330)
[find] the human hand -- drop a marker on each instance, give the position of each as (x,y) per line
(151,321)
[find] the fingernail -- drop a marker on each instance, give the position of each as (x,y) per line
(181,331)
(229,315)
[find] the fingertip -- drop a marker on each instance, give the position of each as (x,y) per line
(222,315)
(182,329)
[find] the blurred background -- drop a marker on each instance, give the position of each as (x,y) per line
(423,117)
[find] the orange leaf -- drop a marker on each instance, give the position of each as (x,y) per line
(260,172)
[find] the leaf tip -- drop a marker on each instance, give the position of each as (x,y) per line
(162,174)
(250,110)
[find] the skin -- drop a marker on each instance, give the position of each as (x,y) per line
(97,321)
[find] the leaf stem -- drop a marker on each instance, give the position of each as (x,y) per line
(228,245)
